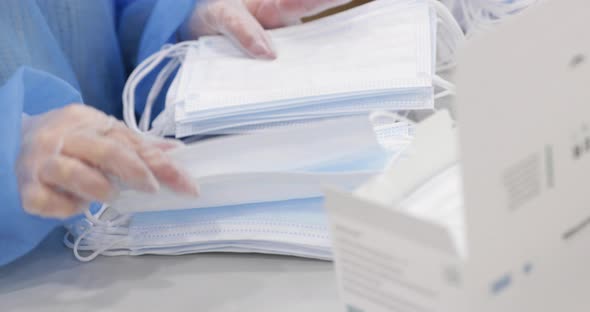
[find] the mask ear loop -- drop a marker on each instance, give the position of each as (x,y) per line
(174,52)
(478,16)
(455,37)
(482,15)
(161,79)
(113,227)
(177,54)
(389,116)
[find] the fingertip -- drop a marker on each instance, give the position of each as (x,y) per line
(106,193)
(189,187)
(150,185)
(165,144)
(179,181)
(64,214)
(271,55)
(262,51)
(137,174)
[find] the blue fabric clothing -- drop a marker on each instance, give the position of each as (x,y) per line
(53,53)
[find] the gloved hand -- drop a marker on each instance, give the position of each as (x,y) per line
(74,155)
(244,21)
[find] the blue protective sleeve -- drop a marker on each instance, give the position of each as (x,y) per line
(144,27)
(53,53)
(47,61)
(20,232)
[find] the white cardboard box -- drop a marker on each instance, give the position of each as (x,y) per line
(524,144)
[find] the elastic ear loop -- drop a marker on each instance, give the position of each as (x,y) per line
(161,79)
(374,116)
(483,15)
(456,36)
(163,75)
(135,78)
(140,72)
(478,16)
(95,223)
(129,90)
(449,88)
(174,52)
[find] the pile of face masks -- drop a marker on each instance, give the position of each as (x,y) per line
(260,193)
(379,56)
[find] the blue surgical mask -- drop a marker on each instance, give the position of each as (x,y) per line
(291,226)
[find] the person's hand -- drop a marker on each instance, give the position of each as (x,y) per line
(244,21)
(75,155)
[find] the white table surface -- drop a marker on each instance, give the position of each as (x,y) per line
(51,279)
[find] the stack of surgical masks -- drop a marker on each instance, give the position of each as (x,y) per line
(261,192)
(379,56)
(307,125)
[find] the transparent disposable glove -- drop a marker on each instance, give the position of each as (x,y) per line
(244,21)
(75,155)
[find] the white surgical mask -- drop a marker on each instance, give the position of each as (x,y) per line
(285,222)
(296,227)
(275,165)
(283,215)
(378,56)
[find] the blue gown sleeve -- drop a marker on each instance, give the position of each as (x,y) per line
(144,27)
(22,93)
(37,74)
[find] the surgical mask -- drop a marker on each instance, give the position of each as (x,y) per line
(296,228)
(287,221)
(275,165)
(385,59)
(394,132)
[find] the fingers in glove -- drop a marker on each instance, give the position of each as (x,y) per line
(41,200)
(77,178)
(124,135)
(111,157)
(162,166)
(167,172)
(233,19)
(165,144)
(280,13)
